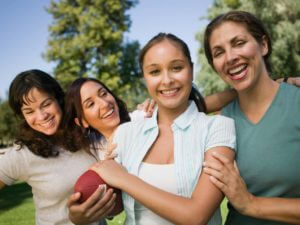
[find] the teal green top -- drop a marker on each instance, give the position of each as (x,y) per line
(268,153)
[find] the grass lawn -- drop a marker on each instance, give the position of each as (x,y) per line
(16,207)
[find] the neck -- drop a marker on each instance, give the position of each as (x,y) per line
(260,95)
(107,133)
(167,116)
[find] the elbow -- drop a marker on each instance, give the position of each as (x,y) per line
(194,219)
(197,221)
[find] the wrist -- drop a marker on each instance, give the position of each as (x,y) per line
(126,179)
(252,208)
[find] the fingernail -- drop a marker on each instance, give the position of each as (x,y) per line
(101,186)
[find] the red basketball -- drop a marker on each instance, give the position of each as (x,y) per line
(87,184)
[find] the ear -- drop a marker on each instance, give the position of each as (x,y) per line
(84,123)
(264,46)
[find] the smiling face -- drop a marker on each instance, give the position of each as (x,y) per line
(100,109)
(41,112)
(237,56)
(168,75)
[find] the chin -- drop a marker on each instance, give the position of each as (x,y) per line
(51,131)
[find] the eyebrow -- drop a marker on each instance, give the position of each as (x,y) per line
(151,65)
(232,40)
(173,61)
(28,108)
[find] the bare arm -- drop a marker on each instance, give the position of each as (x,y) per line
(218,100)
(225,175)
(180,210)
(290,80)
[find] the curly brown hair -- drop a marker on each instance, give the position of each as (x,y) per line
(37,142)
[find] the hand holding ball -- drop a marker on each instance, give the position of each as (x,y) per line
(88,183)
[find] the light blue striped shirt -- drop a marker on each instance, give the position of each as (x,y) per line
(194,134)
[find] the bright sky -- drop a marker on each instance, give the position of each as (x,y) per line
(24,30)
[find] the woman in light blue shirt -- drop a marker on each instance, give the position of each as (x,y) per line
(168,150)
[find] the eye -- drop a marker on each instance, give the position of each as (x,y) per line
(27,112)
(240,43)
(103,93)
(47,103)
(217,53)
(88,104)
(177,68)
(154,72)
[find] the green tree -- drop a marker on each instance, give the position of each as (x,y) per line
(282,19)
(86,39)
(8,124)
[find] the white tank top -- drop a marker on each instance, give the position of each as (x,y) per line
(161,176)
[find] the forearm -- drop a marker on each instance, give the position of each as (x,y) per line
(176,209)
(277,209)
(218,100)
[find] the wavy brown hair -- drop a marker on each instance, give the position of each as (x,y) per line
(37,142)
(77,137)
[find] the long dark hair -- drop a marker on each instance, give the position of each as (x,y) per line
(77,137)
(252,24)
(37,142)
(194,95)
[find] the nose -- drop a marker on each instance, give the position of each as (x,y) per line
(102,103)
(167,78)
(231,56)
(42,115)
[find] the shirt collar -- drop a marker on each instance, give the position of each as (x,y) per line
(183,121)
(151,122)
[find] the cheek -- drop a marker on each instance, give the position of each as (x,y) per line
(57,111)
(217,65)
(89,116)
(29,119)
(151,84)
(251,50)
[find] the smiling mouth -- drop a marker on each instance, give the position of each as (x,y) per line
(237,70)
(49,123)
(169,92)
(108,113)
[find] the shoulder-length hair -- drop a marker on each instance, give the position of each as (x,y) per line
(37,142)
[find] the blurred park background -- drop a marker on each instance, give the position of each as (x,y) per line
(102,39)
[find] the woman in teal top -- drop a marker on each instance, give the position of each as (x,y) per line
(266,114)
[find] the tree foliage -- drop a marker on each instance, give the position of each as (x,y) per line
(86,39)
(282,19)
(8,124)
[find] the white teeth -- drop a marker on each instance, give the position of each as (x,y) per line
(108,113)
(237,69)
(169,92)
(47,124)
